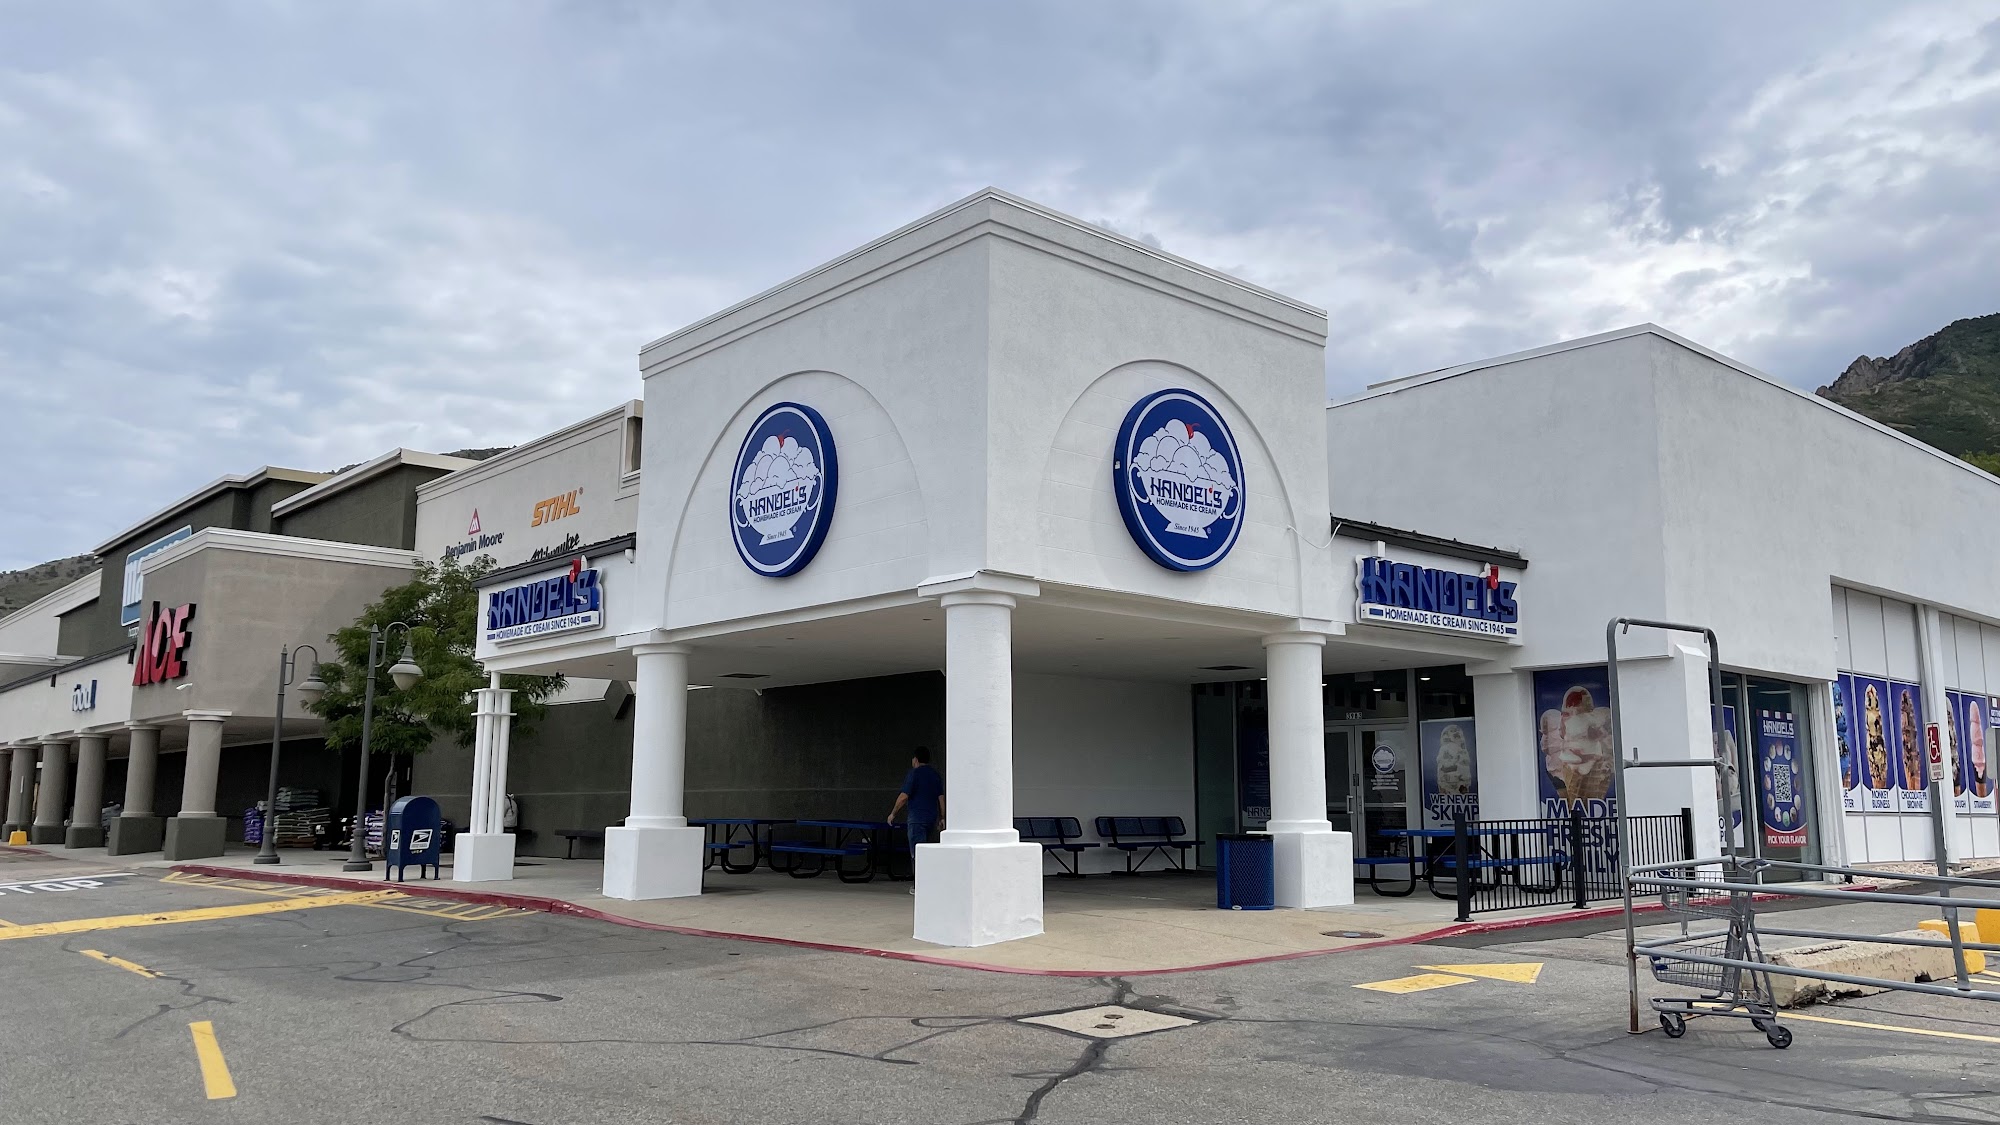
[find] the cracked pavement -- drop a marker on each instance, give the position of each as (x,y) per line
(359,1013)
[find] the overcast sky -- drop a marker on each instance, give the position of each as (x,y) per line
(233,235)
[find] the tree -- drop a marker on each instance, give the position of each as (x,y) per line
(441,605)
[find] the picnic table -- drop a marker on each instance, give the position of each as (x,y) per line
(839,841)
(729,834)
(1494,849)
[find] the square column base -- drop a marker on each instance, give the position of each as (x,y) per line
(137,833)
(978,894)
(482,858)
(642,863)
(46,834)
(83,837)
(193,837)
(1313,869)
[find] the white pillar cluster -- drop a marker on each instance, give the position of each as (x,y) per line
(52,799)
(485,852)
(655,853)
(979,884)
(20,783)
(1314,865)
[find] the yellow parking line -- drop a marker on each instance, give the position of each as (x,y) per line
(1790,1016)
(200,914)
(128,966)
(214,1072)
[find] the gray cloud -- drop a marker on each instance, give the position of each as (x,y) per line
(304,234)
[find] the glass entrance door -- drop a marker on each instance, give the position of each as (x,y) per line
(1370,774)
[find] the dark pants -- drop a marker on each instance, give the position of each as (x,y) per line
(920,832)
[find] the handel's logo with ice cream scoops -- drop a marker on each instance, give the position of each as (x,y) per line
(786,476)
(1179,480)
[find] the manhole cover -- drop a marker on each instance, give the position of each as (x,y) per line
(1349,933)
(1109,1021)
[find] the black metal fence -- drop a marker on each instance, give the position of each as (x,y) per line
(1490,865)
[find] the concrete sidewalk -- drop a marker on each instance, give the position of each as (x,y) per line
(1102,925)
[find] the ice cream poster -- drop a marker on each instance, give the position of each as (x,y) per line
(1448,756)
(1728,779)
(1906,746)
(1573,741)
(1781,780)
(1984,784)
(1844,729)
(1974,777)
(1873,740)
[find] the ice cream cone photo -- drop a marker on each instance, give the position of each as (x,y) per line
(1913,744)
(1576,746)
(1878,741)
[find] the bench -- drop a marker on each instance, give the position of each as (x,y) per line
(1059,837)
(572,835)
(1142,837)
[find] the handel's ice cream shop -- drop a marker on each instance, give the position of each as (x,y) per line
(1076,514)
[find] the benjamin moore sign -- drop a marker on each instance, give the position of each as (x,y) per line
(1420,597)
(564,604)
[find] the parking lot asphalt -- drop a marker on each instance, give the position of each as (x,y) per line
(337,1008)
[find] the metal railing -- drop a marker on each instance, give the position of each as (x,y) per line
(1494,865)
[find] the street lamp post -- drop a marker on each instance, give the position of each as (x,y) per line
(309,690)
(405,672)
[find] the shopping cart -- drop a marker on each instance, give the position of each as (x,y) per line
(1715,961)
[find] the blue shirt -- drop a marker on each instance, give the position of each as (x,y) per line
(923,787)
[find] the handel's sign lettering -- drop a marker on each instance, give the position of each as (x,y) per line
(1418,597)
(563,604)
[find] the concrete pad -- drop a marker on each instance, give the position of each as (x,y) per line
(1931,962)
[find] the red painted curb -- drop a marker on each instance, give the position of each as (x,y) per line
(575,910)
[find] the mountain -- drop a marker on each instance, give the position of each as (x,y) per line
(1944,390)
(19,587)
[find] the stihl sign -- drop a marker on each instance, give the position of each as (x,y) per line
(163,642)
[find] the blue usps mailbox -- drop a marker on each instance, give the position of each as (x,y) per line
(416,835)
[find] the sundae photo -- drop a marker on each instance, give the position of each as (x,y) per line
(1843,735)
(1454,761)
(1913,744)
(1975,744)
(1878,742)
(1576,746)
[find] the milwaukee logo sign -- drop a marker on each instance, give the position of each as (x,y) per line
(163,646)
(556,507)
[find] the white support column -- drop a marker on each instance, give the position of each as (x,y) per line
(486,853)
(137,828)
(86,818)
(979,884)
(656,854)
(1314,864)
(52,800)
(20,784)
(196,832)
(1945,823)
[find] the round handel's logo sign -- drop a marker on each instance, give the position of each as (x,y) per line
(1179,480)
(786,474)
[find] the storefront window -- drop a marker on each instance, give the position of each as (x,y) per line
(1444,692)
(1768,774)
(1360,696)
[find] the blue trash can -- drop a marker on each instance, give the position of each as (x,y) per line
(1244,875)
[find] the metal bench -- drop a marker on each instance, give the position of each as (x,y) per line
(817,856)
(1142,837)
(1059,837)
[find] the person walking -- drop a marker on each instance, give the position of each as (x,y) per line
(923,795)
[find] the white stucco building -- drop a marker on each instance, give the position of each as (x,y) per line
(1099,489)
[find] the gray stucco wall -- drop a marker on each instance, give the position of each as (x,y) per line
(822,750)
(94,627)
(381,511)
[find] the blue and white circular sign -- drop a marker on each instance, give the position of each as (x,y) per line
(1179,480)
(786,476)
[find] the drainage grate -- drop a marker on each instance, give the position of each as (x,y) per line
(1110,1021)
(1349,933)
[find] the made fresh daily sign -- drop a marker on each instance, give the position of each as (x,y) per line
(563,604)
(787,474)
(1420,597)
(1179,480)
